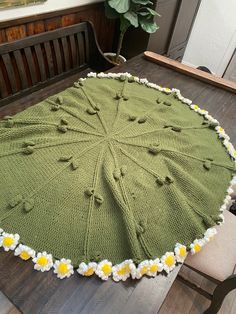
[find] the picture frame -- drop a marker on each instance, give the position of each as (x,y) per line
(5,4)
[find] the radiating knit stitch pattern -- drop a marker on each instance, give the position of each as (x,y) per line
(110,169)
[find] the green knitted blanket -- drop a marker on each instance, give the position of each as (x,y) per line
(114,176)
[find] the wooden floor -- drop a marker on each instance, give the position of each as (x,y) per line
(180,299)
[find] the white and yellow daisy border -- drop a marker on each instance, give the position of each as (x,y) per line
(63,268)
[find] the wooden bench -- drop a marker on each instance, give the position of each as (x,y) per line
(33,63)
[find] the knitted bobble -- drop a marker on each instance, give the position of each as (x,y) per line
(213,125)
(64,121)
(210,158)
(207,165)
(160,181)
(97,256)
(118,96)
(28,205)
(167,103)
(125,97)
(89,192)
(176,128)
(139,230)
(142,119)
(154,149)
(165,126)
(7,117)
(123,170)
(74,165)
(98,198)
(81,83)
(141,227)
(217,219)
(210,124)
(116,174)
(9,123)
(122,78)
(91,111)
(132,118)
(28,150)
(77,85)
(97,107)
(143,223)
(131,79)
(65,158)
(28,143)
(169,179)
(62,128)
(55,107)
(60,100)
(133,195)
(137,260)
(158,101)
(208,221)
(16,200)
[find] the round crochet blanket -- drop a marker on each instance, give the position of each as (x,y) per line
(114,176)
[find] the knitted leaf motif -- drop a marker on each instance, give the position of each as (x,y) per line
(114,166)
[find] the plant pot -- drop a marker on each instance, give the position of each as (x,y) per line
(111,56)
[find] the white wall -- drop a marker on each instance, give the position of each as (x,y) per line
(48,6)
(213,38)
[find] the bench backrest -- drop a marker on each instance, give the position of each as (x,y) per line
(29,64)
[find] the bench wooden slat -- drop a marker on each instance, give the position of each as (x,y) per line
(30,64)
(58,56)
(74,53)
(40,60)
(66,53)
(81,48)
(21,70)
(86,44)
(10,72)
(33,62)
(3,87)
(48,51)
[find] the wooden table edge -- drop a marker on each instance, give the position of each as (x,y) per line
(185,69)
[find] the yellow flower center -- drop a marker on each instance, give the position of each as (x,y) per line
(197,247)
(8,241)
(144,270)
(63,268)
(89,272)
(153,268)
(221,129)
(170,260)
(42,261)
(124,270)
(182,251)
(106,269)
(24,255)
(195,107)
(234,153)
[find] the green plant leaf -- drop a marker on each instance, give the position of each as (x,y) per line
(121,6)
(152,12)
(148,25)
(132,17)
(144,13)
(110,12)
(144,2)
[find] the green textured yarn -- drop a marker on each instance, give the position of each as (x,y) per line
(110,169)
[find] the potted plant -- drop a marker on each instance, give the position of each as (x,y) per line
(136,13)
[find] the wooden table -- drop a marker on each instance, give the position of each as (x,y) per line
(35,292)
